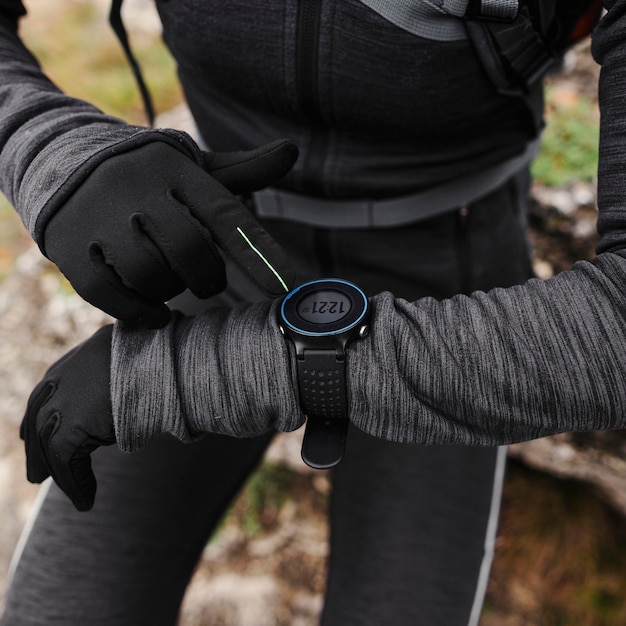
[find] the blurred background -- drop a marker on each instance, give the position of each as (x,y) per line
(562,536)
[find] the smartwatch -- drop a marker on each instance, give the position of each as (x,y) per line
(321,318)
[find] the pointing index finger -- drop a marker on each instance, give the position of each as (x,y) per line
(251,247)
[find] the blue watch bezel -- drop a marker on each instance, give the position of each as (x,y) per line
(290,317)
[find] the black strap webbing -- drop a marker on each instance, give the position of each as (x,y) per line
(492,9)
(117,24)
(514,54)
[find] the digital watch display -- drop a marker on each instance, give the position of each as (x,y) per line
(321,318)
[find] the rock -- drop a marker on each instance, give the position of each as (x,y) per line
(231,599)
(581,457)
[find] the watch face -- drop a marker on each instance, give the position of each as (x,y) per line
(324,307)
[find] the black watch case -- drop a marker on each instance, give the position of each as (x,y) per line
(321,318)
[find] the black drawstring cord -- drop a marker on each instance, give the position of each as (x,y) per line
(117,24)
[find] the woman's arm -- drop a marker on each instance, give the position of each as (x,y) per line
(493,368)
(518,363)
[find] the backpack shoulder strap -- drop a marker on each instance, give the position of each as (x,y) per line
(514,47)
(519,41)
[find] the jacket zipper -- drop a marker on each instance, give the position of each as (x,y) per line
(307,58)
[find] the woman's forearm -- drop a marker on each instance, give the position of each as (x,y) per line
(509,365)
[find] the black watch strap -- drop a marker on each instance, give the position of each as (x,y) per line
(322,388)
(322,384)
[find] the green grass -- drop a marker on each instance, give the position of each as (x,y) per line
(569,150)
(256,509)
(263,497)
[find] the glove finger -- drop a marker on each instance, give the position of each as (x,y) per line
(187,247)
(73,474)
(67,450)
(239,235)
(45,433)
(42,391)
(250,170)
(139,261)
(232,226)
(84,493)
(107,291)
(37,469)
(251,247)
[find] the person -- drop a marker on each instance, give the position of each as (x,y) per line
(411,180)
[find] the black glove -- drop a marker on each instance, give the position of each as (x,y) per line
(68,416)
(145,225)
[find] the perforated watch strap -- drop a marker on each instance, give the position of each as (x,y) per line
(322,387)
(322,384)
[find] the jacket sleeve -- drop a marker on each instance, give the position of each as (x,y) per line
(50,142)
(226,371)
(514,364)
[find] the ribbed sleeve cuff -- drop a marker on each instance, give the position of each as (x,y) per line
(227,371)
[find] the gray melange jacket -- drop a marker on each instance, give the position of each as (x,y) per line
(487,369)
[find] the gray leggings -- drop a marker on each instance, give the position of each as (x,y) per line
(412,528)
